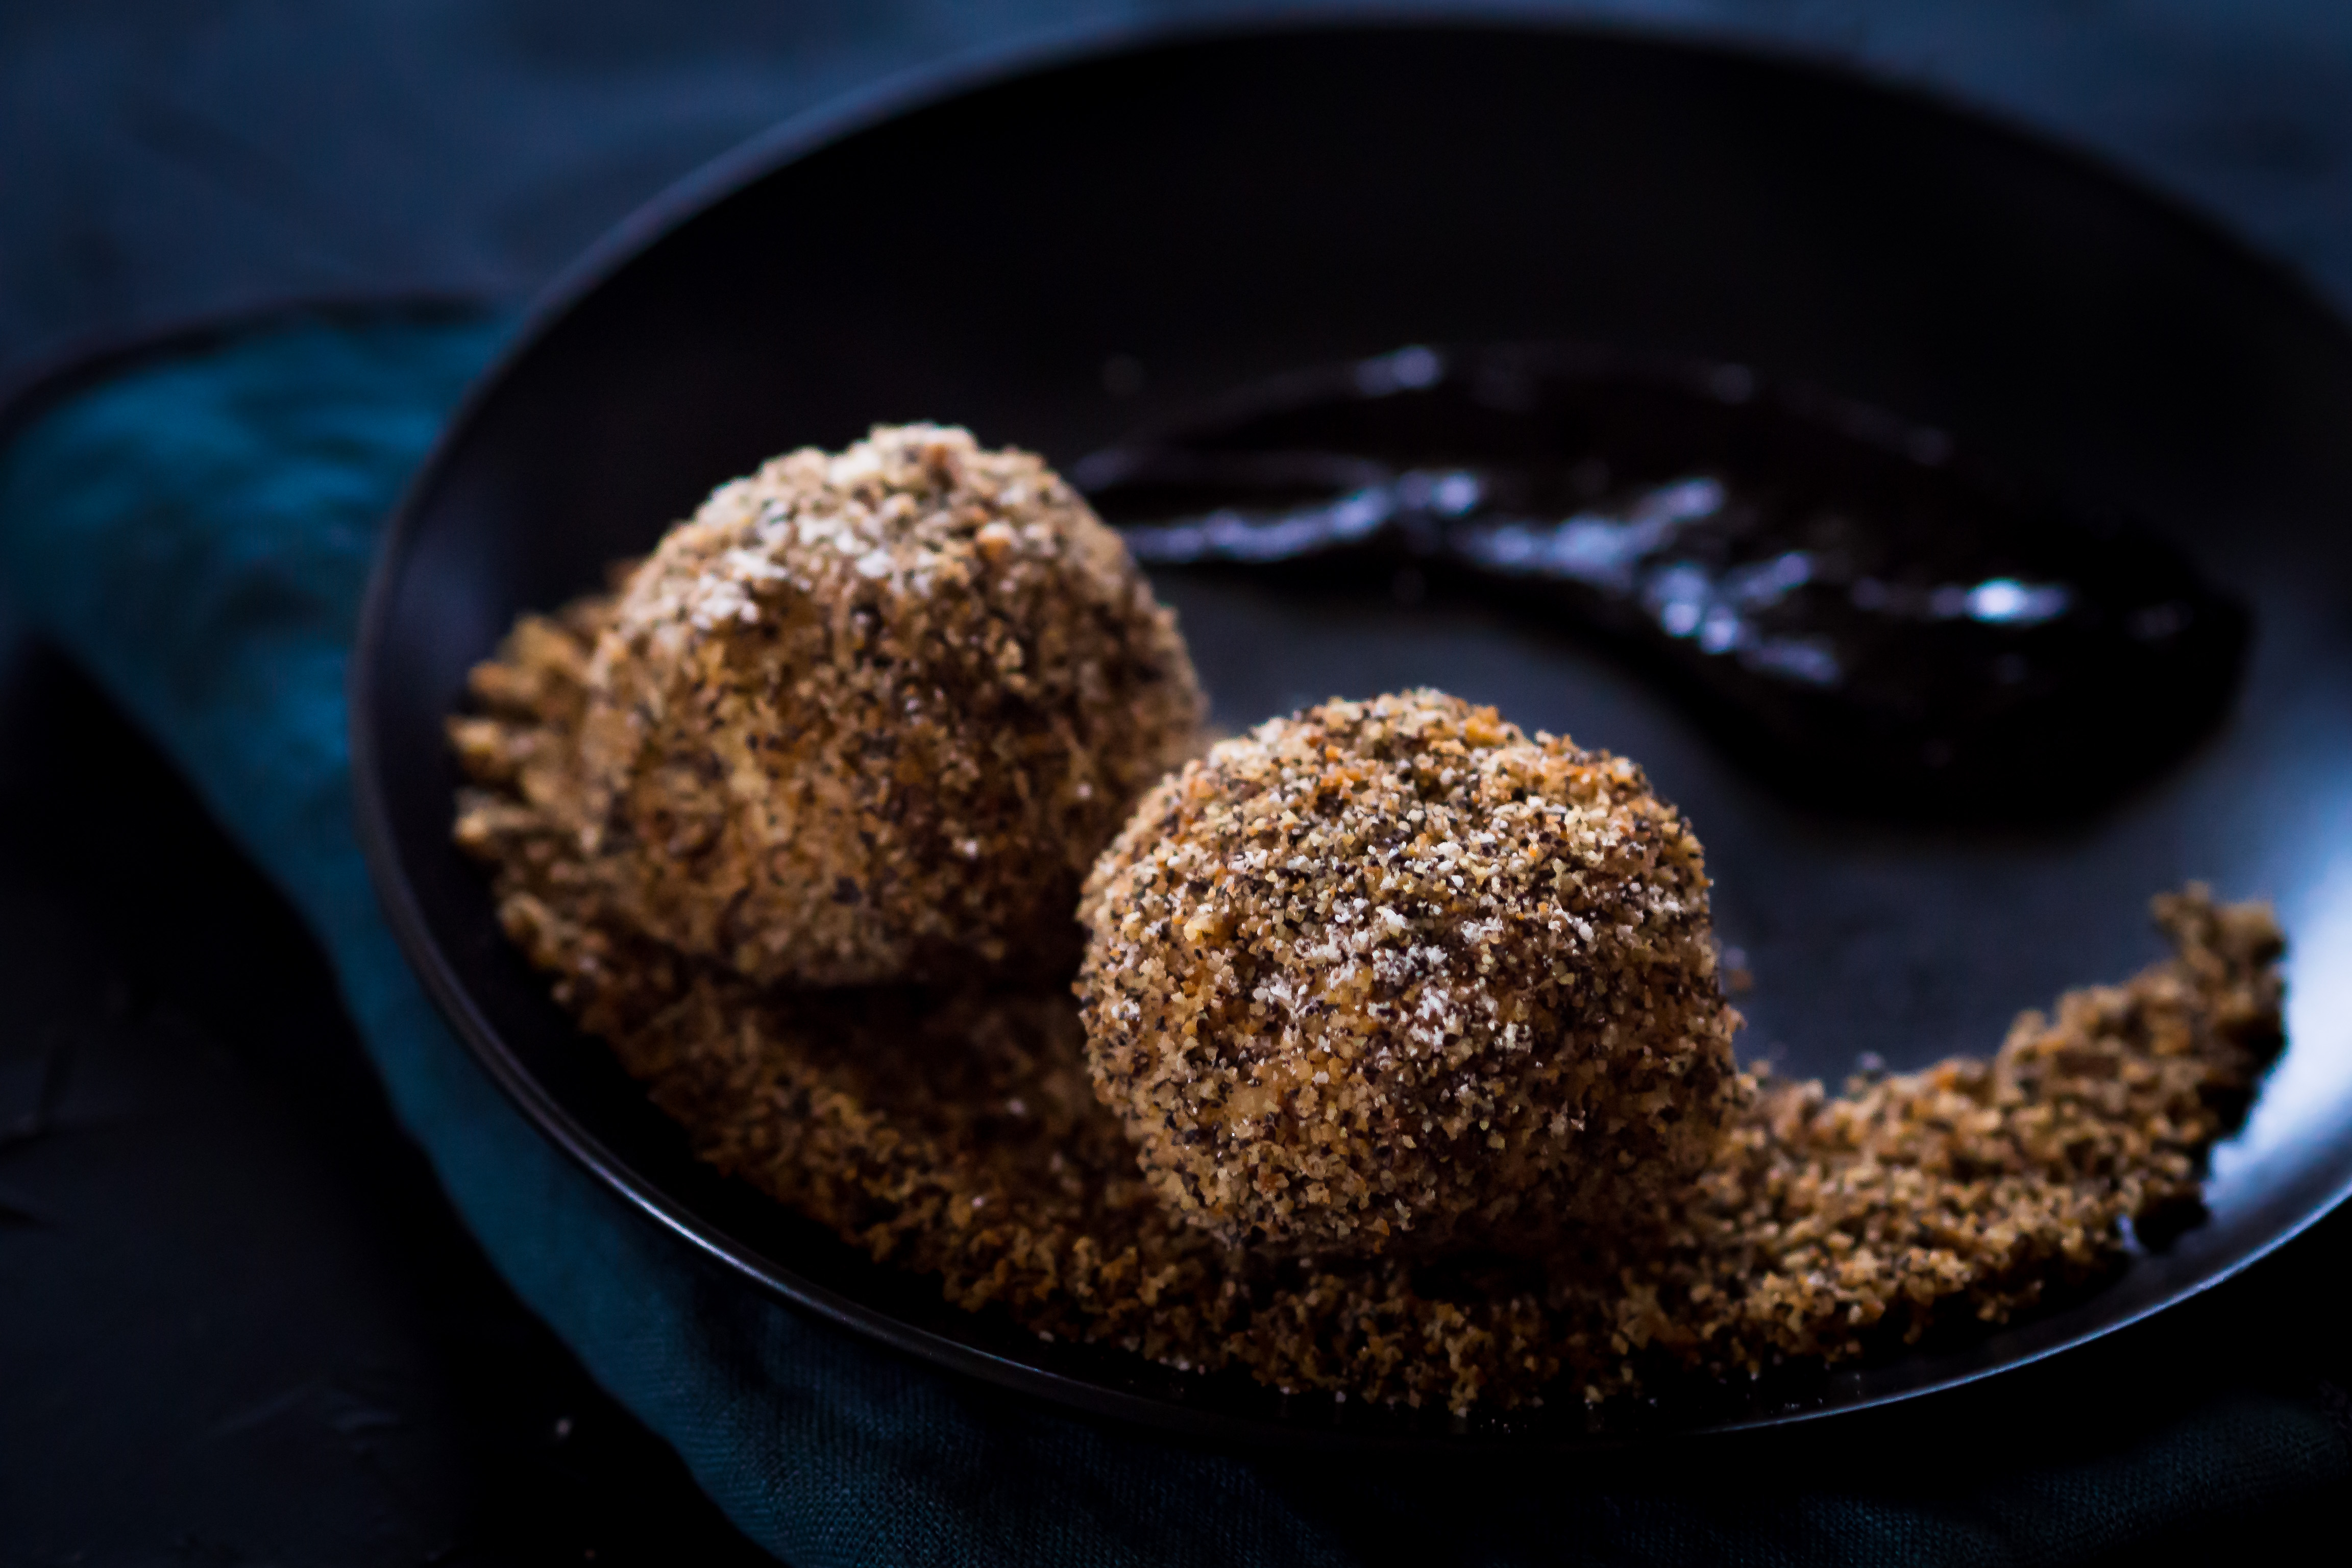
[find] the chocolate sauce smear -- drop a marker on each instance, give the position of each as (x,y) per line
(1848,606)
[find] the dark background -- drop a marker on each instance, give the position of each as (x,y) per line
(164,159)
(238,1322)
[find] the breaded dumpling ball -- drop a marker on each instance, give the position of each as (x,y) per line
(869,717)
(1392,976)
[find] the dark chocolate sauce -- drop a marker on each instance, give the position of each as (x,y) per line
(1846,602)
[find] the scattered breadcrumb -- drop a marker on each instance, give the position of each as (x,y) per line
(1973,1190)
(957,1134)
(868,716)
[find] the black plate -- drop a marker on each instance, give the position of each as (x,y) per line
(978,247)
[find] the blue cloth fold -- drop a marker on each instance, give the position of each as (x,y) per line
(197,530)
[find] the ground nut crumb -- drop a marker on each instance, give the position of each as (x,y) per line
(957,1134)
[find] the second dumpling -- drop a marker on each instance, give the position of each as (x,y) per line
(868,716)
(1390,976)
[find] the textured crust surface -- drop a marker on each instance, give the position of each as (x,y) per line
(958,1137)
(1391,974)
(870,715)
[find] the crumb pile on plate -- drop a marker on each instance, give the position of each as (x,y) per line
(957,1132)
(1975,1189)
(1392,976)
(866,715)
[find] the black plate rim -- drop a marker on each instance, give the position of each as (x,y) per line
(924,86)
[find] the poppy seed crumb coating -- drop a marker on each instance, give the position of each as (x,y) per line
(1390,976)
(869,716)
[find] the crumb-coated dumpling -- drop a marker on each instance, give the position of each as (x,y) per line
(869,716)
(1390,976)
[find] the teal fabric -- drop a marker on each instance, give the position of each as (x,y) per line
(197,530)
